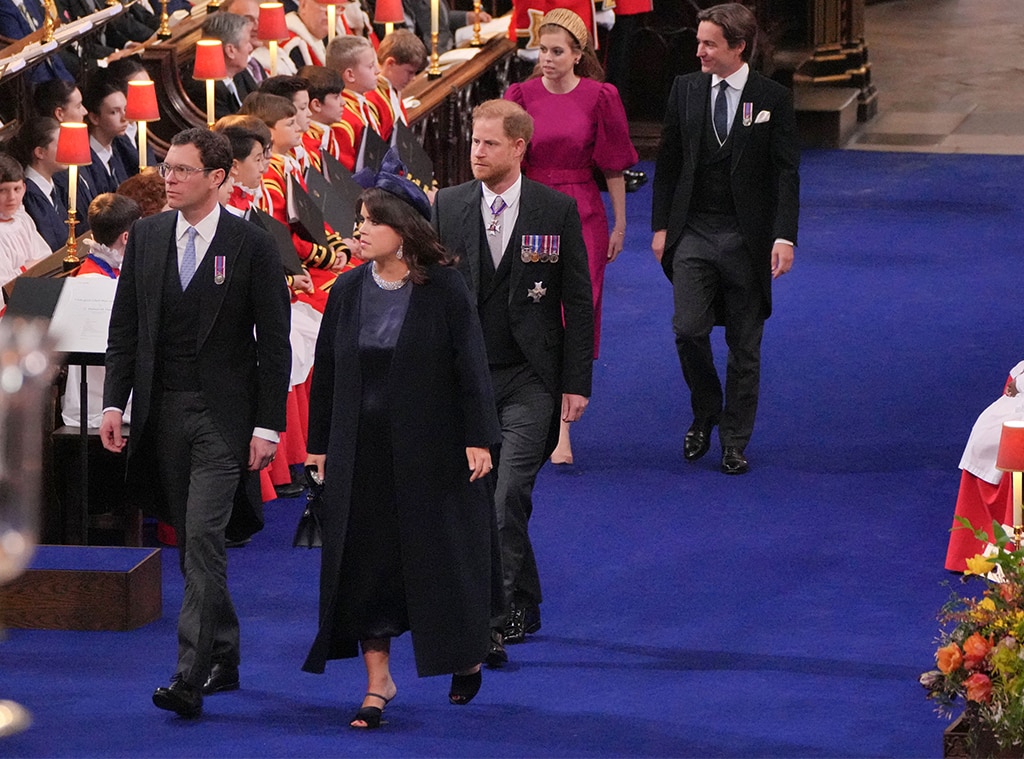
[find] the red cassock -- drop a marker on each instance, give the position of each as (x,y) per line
(319,137)
(981,503)
(355,117)
(380,101)
(275,202)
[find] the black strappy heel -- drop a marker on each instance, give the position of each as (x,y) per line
(464,687)
(370,714)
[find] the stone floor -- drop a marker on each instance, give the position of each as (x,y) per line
(950,77)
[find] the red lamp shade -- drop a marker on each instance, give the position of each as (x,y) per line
(272,26)
(209,60)
(388,12)
(1011,446)
(142,101)
(73,144)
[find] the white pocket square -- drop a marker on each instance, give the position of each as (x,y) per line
(762,117)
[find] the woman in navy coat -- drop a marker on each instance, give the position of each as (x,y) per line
(402,418)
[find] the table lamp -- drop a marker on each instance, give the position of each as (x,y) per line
(272,28)
(73,151)
(389,13)
(142,108)
(210,66)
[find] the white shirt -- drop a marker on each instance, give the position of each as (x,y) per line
(205,231)
(104,153)
(511,212)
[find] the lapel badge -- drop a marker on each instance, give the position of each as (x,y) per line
(219,269)
(748,114)
(537,292)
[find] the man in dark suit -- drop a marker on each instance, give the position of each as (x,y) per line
(199,334)
(234,32)
(726,201)
(520,247)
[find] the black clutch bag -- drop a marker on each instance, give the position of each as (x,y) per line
(308,534)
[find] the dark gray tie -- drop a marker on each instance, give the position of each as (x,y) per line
(721,115)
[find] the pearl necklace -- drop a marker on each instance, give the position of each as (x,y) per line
(385,284)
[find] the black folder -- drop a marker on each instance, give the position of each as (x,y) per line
(334,169)
(310,218)
(336,201)
(373,148)
(34,297)
(417,162)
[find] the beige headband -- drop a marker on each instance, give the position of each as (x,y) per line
(569,21)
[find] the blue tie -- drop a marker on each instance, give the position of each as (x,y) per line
(188,260)
(721,115)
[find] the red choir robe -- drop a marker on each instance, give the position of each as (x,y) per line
(383,100)
(317,259)
(320,137)
(357,115)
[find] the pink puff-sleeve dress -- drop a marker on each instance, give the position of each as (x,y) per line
(574,133)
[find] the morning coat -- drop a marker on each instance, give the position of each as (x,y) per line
(765,167)
(243,373)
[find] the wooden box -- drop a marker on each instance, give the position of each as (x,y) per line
(85,588)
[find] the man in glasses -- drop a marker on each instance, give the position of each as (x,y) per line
(199,335)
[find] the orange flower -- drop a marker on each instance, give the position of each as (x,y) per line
(949,658)
(976,648)
(979,688)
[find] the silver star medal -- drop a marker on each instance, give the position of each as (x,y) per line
(538,292)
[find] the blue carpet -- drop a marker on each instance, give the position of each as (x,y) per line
(786,613)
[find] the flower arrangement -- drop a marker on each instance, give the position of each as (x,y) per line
(980,657)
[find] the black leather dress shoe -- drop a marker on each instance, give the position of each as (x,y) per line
(697,440)
(634,180)
(223,677)
(733,461)
(515,625)
(496,656)
(179,697)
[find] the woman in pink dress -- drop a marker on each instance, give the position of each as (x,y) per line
(579,125)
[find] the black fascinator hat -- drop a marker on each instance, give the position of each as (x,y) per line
(392,178)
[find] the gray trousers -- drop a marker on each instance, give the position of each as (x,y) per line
(712,274)
(525,409)
(200,474)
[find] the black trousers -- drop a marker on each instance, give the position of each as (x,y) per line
(525,410)
(713,276)
(200,474)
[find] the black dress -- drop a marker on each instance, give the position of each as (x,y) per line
(371,588)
